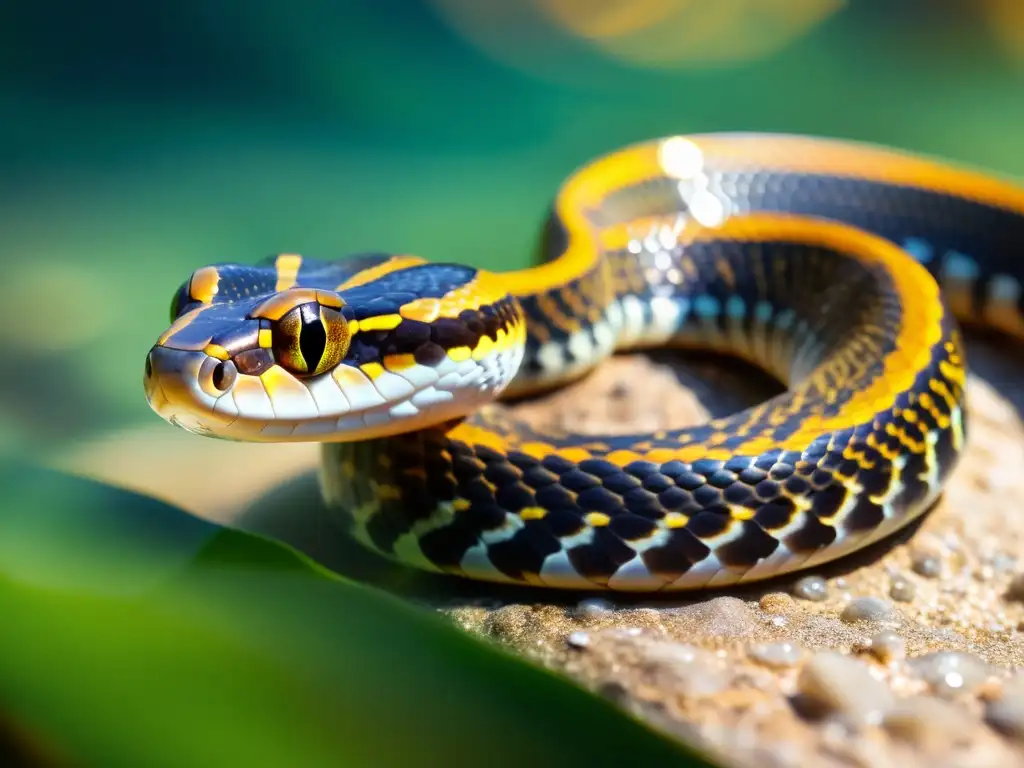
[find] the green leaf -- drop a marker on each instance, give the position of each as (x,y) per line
(135,634)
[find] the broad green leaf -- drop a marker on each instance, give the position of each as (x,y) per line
(137,635)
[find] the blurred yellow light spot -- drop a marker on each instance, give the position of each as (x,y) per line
(681,33)
(1006,20)
(605,19)
(671,34)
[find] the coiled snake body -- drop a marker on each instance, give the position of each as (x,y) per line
(819,260)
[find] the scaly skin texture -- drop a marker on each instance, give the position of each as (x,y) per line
(820,261)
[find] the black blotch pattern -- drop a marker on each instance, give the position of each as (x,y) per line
(864,516)
(555,497)
(774,515)
(631,527)
(747,549)
(599,560)
(384,530)
(524,551)
(642,502)
(737,493)
(827,501)
(445,547)
(598,499)
(811,536)
(705,525)
(676,556)
(563,522)
(514,497)
(677,500)
(428,343)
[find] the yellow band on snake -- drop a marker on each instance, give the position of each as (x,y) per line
(843,269)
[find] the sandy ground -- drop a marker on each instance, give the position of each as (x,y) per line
(904,654)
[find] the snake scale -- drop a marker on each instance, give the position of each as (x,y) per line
(844,269)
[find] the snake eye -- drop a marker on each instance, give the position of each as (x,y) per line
(310,339)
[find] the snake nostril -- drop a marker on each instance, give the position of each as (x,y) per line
(220,377)
(223,376)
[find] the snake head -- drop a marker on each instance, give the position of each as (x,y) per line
(413,348)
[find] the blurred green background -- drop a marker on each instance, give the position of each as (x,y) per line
(139,141)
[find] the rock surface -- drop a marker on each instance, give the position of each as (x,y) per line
(907,654)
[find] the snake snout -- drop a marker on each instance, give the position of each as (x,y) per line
(182,386)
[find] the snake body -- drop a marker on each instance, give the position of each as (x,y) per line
(843,269)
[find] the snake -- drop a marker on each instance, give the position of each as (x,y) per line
(846,270)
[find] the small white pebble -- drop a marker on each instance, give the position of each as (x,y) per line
(593,607)
(578,639)
(867,609)
(1015,591)
(887,646)
(1006,713)
(625,632)
(776,654)
(926,564)
(902,590)
(686,669)
(676,653)
(813,588)
(844,687)
(950,672)
(929,723)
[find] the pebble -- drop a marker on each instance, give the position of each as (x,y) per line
(1006,713)
(685,669)
(867,609)
(578,639)
(593,608)
(949,673)
(665,651)
(778,655)
(813,588)
(887,646)
(719,617)
(902,591)
(1015,591)
(928,723)
(844,687)
(926,564)
(777,602)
